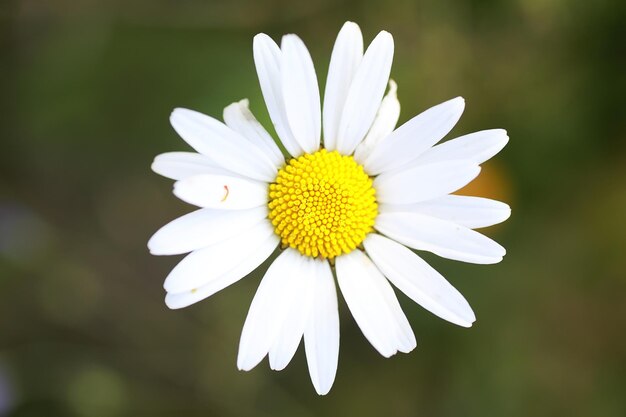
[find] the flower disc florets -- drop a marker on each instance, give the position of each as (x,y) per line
(322,204)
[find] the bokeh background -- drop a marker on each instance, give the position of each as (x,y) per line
(86,88)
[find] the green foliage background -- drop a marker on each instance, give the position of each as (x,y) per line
(86,88)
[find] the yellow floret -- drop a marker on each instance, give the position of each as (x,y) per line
(322,204)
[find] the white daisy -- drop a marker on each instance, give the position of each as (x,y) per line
(356,203)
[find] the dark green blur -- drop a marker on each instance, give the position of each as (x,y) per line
(86,88)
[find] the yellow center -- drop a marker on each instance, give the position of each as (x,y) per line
(322,204)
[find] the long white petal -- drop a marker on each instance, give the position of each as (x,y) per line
(478,146)
(203,228)
(223,145)
(414,137)
(418,280)
(404,333)
(221,192)
(248,264)
(344,62)
(321,335)
(268,309)
(365,94)
(293,325)
(301,93)
(443,238)
(472,212)
(203,265)
(267,59)
(424,182)
(238,117)
(384,123)
(180,165)
(373,304)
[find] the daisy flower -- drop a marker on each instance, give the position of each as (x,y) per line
(351,206)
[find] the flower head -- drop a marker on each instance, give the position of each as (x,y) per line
(356,202)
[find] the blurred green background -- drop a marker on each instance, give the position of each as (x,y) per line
(86,88)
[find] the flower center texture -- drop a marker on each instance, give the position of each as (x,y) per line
(322,204)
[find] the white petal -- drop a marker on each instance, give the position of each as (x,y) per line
(268,309)
(267,58)
(472,212)
(203,228)
(321,335)
(404,333)
(223,145)
(344,62)
(301,93)
(440,237)
(373,304)
(221,192)
(418,280)
(424,182)
(478,146)
(248,264)
(204,265)
(180,165)
(384,123)
(365,94)
(238,117)
(294,322)
(414,137)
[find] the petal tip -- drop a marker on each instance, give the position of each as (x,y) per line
(154,166)
(179,115)
(505,138)
(352,27)
(290,38)
(500,134)
(409,348)
(385,34)
(321,391)
(176,189)
(243,366)
(506,212)
(151,246)
(171,305)
(177,112)
(469,320)
(259,37)
(393,87)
